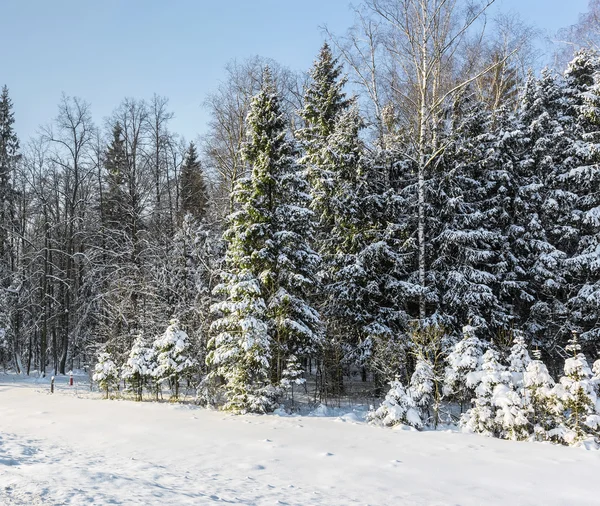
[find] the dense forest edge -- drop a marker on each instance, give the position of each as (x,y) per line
(418,214)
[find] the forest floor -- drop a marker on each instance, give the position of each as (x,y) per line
(73,448)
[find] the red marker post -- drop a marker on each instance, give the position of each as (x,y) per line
(71,378)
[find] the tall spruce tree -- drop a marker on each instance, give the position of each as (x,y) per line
(265,317)
(193,190)
(9,156)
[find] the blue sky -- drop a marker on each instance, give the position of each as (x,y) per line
(104,50)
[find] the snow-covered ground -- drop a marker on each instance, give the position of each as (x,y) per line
(74,449)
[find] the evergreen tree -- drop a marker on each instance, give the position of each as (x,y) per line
(270,268)
(463,361)
(422,387)
(139,368)
(173,360)
(9,157)
(397,408)
(538,394)
(518,359)
(193,190)
(324,101)
(114,210)
(575,399)
(106,373)
(497,409)
(583,161)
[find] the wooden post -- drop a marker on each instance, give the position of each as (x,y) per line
(52,385)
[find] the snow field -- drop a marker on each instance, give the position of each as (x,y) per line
(67,450)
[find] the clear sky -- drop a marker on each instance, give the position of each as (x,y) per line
(104,50)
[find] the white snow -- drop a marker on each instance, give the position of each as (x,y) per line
(72,448)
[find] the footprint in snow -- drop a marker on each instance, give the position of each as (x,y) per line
(327,454)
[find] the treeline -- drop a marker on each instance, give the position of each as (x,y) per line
(321,229)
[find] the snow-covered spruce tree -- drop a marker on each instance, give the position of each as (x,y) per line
(173,360)
(575,399)
(106,373)
(583,94)
(422,387)
(360,295)
(542,231)
(9,156)
(324,101)
(269,269)
(498,409)
(518,359)
(397,408)
(292,375)
(464,359)
(462,220)
(139,368)
(538,385)
(426,383)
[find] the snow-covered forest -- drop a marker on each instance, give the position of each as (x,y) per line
(415,221)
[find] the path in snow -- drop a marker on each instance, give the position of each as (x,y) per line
(63,450)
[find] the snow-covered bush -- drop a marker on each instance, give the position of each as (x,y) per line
(173,360)
(106,373)
(398,408)
(464,359)
(139,367)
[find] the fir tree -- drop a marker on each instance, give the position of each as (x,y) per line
(464,360)
(114,212)
(518,359)
(270,268)
(193,190)
(575,399)
(173,360)
(397,408)
(538,386)
(106,373)
(139,368)
(9,157)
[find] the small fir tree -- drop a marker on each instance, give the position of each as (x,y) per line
(464,359)
(173,359)
(106,373)
(397,408)
(139,367)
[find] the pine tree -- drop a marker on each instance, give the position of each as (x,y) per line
(292,375)
(583,95)
(193,190)
(270,268)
